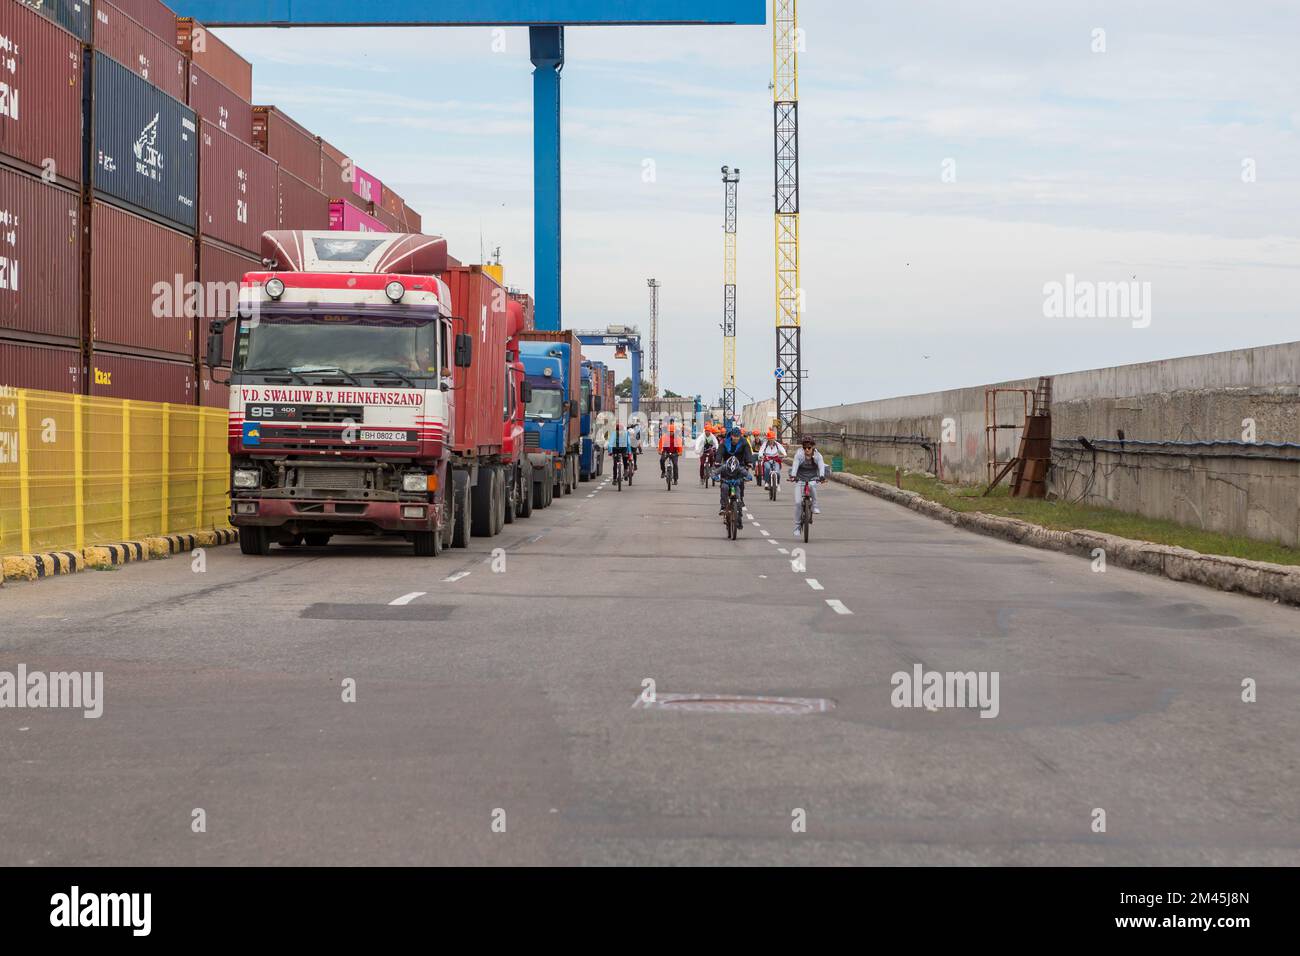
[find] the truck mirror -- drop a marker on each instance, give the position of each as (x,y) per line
(573,408)
(216,345)
(525,391)
(464,350)
(597,402)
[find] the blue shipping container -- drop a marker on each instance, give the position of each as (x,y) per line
(145,148)
(72,15)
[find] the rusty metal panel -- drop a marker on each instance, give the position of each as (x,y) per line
(219,105)
(40,258)
(237,190)
(49,367)
(138,277)
(40,93)
(148,55)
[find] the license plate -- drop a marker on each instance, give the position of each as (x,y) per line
(368,435)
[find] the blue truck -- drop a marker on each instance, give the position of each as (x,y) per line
(553,419)
(592,459)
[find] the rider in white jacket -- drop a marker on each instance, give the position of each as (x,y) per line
(808,464)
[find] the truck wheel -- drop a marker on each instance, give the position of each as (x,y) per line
(447,518)
(539,491)
(483,503)
(550,494)
(461,513)
(256,541)
(505,500)
(513,504)
(524,484)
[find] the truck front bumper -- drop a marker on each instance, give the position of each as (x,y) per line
(340,516)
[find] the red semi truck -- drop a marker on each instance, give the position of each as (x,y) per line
(363,400)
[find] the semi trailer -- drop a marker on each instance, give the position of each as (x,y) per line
(552,426)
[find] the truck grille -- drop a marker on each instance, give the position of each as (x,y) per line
(532,440)
(341,478)
(331,413)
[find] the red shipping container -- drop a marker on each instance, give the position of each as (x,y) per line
(40,258)
(219,105)
(220,270)
(390,222)
(139,284)
(215,58)
(335,172)
(479,305)
(146,54)
(50,368)
(152,15)
(40,93)
(302,205)
(345,216)
(295,149)
(413,221)
(238,198)
(214,394)
(141,378)
(526,300)
(393,203)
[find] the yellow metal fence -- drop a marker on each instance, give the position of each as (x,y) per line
(77,470)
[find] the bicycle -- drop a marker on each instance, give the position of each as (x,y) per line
(670,469)
(707,461)
(773,466)
(618,471)
(806,508)
(733,477)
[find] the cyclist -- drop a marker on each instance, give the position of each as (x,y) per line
(771,454)
(733,446)
(706,446)
(634,439)
(807,468)
(670,448)
(619,445)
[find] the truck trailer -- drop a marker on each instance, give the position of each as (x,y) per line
(552,426)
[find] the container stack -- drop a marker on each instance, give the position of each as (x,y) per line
(136,179)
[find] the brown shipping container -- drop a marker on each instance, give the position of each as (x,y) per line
(302,205)
(391,223)
(334,165)
(216,58)
(136,269)
(40,92)
(146,54)
(414,222)
(237,190)
(219,105)
(40,258)
(394,203)
(480,311)
(141,378)
(51,368)
(220,270)
(154,16)
(214,394)
(295,149)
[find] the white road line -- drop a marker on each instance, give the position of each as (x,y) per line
(814,584)
(765,534)
(782,550)
(838,606)
(407,598)
(453,578)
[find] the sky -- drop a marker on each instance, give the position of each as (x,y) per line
(956,158)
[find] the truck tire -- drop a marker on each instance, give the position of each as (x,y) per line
(255,541)
(317,539)
(539,491)
(447,518)
(483,503)
(461,512)
(513,504)
(550,494)
(524,484)
(505,505)
(428,544)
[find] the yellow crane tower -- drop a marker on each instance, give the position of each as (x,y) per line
(789,293)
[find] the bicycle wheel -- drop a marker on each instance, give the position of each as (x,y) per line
(807,518)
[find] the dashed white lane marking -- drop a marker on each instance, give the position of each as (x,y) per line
(814,584)
(782,550)
(453,578)
(592,495)
(407,598)
(838,606)
(771,540)
(766,534)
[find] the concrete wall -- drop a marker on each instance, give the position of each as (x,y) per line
(758,415)
(1201,398)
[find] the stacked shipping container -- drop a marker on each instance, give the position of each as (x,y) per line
(136,178)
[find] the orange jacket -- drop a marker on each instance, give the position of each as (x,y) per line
(670,441)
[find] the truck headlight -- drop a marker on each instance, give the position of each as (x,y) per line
(247,478)
(415,481)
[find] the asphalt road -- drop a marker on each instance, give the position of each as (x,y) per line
(508,696)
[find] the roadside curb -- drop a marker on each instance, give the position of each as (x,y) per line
(1277,582)
(33,567)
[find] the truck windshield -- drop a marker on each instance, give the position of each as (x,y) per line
(351,344)
(546,403)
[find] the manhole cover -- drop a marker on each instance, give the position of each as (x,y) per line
(736,704)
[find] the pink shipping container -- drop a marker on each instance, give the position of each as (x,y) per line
(146,54)
(302,205)
(295,149)
(40,93)
(51,368)
(152,15)
(347,217)
(220,270)
(237,190)
(219,105)
(214,57)
(40,258)
(368,188)
(143,379)
(138,276)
